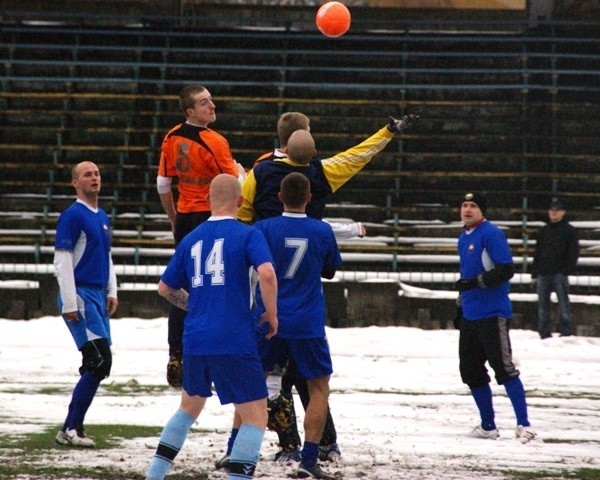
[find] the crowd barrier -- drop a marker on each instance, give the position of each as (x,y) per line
(353,300)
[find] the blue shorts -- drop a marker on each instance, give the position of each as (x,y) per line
(93,320)
(311,355)
(237,378)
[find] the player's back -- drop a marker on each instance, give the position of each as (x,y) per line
(302,248)
(217,257)
(270,173)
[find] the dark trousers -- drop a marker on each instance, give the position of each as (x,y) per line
(545,285)
(481,341)
(184,224)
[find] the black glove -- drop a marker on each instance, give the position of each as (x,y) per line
(466,284)
(405,122)
(457,318)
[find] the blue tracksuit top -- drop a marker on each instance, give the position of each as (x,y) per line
(480,250)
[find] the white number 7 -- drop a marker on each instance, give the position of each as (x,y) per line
(301,245)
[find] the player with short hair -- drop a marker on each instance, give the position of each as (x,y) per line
(193,154)
(87,293)
(287,124)
(219,344)
(304,250)
(326,176)
(260,190)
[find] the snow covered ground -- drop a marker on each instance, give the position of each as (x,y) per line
(399,406)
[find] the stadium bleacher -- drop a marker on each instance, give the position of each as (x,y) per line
(512,112)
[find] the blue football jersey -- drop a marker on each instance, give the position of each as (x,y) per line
(215,260)
(87,234)
(302,248)
(480,250)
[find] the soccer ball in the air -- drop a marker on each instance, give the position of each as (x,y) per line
(333,19)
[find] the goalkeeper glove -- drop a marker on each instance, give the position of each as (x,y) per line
(466,284)
(405,122)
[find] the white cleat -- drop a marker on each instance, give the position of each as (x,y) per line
(61,438)
(479,432)
(78,439)
(525,434)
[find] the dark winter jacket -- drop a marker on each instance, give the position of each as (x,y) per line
(556,250)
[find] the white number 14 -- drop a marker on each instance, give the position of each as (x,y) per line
(213,264)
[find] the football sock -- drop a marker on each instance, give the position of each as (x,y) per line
(516,392)
(483,399)
(282,419)
(245,452)
(171,441)
(310,452)
(273,386)
(68,419)
(231,441)
(83,395)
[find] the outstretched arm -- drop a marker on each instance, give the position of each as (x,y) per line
(343,166)
(347,230)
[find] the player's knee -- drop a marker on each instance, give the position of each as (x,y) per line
(504,377)
(319,386)
(474,380)
(97,358)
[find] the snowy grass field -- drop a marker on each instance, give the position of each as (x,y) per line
(399,406)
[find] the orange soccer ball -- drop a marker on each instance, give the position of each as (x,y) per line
(333,19)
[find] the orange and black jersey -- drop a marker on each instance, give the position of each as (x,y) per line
(195,155)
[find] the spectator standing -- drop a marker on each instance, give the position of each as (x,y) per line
(486,266)
(87,294)
(219,342)
(555,258)
(193,154)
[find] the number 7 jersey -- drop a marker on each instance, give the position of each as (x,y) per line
(303,248)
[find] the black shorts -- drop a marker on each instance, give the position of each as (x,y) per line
(481,341)
(186,222)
